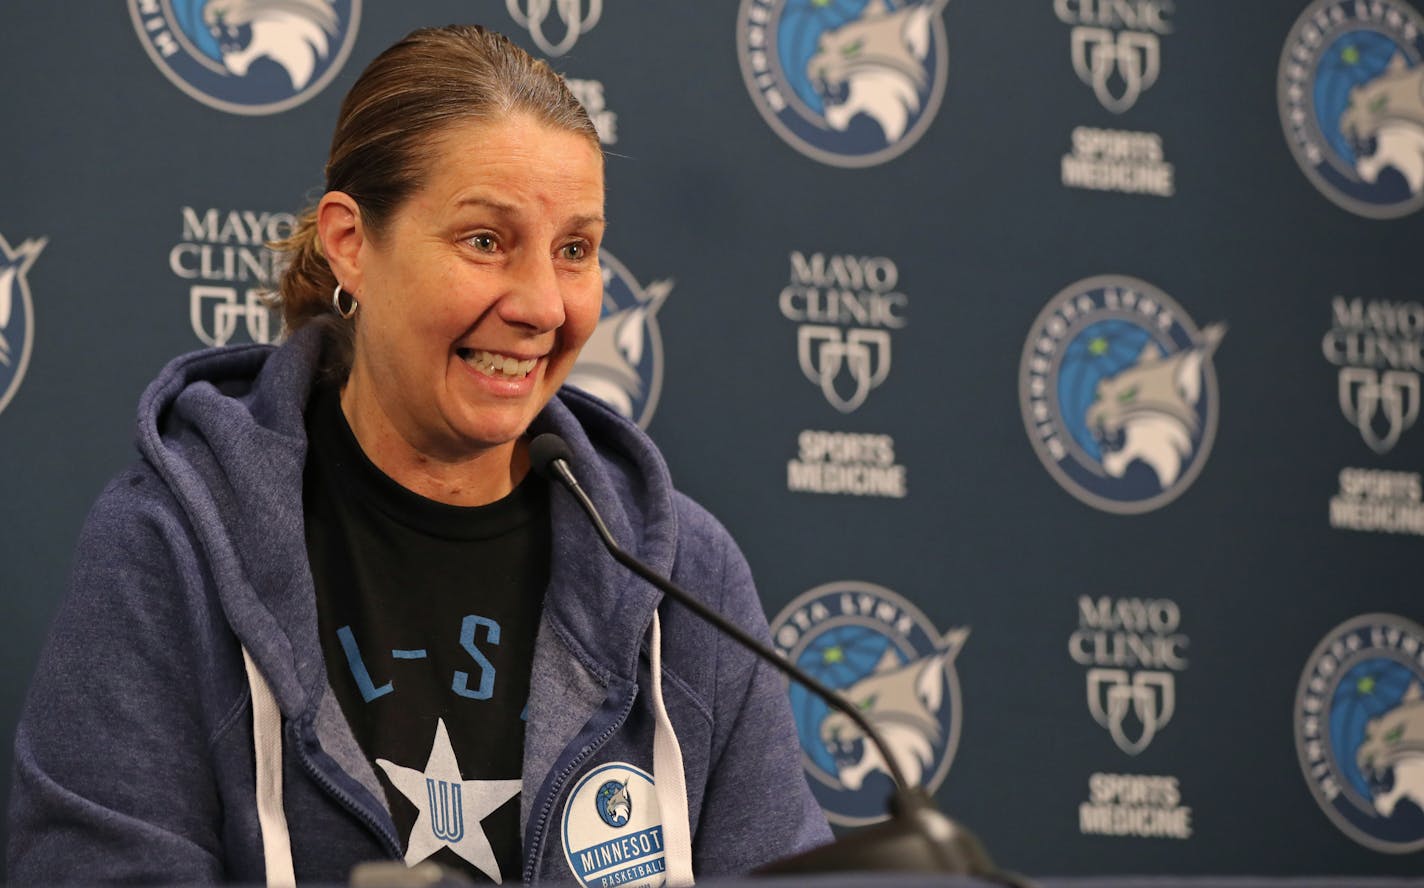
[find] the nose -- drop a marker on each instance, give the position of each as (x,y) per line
(534,299)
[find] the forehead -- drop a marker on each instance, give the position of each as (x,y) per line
(516,162)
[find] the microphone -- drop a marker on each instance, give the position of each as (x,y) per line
(917,837)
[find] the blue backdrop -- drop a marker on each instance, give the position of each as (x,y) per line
(1056,363)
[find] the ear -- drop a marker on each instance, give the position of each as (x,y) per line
(888,660)
(929,684)
(342,234)
(1412,695)
(1397,64)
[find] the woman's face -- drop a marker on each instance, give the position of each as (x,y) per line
(479,293)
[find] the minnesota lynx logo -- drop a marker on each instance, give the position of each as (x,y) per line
(1351,95)
(613,829)
(1118,393)
(886,658)
(622,362)
(1359,730)
(17,313)
(851,83)
(574,21)
(247,56)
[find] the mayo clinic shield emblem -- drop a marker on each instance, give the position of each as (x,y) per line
(1147,699)
(215,312)
(1134,56)
(574,20)
(17,314)
(622,362)
(844,364)
(247,56)
(885,657)
(1381,404)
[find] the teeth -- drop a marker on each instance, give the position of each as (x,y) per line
(491,364)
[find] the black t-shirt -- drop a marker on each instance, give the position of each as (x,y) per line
(427,614)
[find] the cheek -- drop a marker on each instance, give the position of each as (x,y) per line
(581,313)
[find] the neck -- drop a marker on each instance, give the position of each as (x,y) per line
(476,477)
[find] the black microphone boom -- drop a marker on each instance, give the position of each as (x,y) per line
(917,837)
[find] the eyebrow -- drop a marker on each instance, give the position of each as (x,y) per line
(511,210)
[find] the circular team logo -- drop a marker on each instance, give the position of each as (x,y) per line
(613,829)
(879,651)
(1351,94)
(17,313)
(1359,730)
(1118,393)
(248,56)
(622,362)
(850,83)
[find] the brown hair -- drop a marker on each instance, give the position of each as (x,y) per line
(430,80)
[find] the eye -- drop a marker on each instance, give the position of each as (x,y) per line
(577,251)
(484,242)
(1127,396)
(1379,104)
(867,704)
(851,50)
(1394,735)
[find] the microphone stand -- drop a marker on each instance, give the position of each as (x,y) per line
(916,838)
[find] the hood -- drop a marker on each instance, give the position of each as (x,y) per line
(225,430)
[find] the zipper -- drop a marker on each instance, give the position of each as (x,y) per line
(388,839)
(557,788)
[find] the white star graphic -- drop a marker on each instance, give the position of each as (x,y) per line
(459,806)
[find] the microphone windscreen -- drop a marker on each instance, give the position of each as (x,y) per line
(546,448)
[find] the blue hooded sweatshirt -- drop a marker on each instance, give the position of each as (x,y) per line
(140,752)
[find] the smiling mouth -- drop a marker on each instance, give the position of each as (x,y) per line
(491,364)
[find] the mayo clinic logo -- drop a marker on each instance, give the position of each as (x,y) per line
(247,56)
(622,362)
(846,307)
(1351,96)
(849,83)
(574,21)
(225,257)
(886,658)
(1116,47)
(17,313)
(1133,648)
(1359,730)
(1379,347)
(1118,393)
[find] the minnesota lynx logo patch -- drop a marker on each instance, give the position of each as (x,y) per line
(1359,730)
(248,56)
(851,83)
(879,651)
(1351,95)
(613,829)
(1118,393)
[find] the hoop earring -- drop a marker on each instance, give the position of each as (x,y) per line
(345,313)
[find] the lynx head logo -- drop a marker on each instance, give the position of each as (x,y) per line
(17,313)
(850,83)
(1359,725)
(248,56)
(622,362)
(1118,393)
(615,806)
(1351,95)
(890,662)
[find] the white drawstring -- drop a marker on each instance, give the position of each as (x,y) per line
(669,781)
(267,741)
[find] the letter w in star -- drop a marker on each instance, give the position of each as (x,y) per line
(451,808)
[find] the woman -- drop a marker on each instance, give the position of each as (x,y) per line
(331,617)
